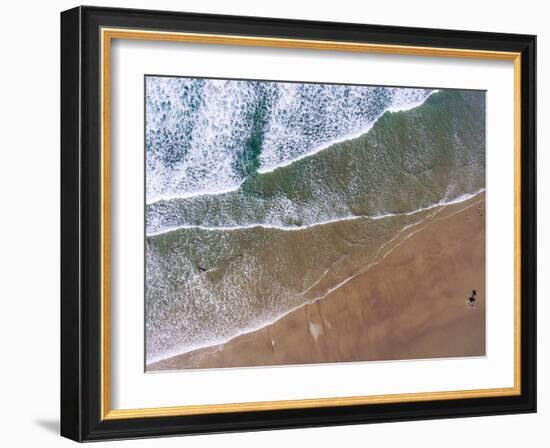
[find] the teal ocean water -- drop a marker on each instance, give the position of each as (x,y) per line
(263,196)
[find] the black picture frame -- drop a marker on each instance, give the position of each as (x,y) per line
(81,380)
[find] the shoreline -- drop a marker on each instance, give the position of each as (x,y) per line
(311,322)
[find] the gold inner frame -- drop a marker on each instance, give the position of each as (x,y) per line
(107,35)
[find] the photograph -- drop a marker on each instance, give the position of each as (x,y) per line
(291,223)
(280,223)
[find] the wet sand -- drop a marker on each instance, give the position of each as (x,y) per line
(413,303)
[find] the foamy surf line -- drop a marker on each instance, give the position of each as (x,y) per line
(268,169)
(170,197)
(217,344)
(441,203)
(390,108)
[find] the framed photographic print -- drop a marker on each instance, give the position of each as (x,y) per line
(273,223)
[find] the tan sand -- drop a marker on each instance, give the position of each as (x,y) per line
(412,304)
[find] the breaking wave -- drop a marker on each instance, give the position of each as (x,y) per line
(206,136)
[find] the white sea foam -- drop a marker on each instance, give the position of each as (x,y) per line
(442,203)
(405,100)
(194,131)
(197,130)
(172,196)
(401,102)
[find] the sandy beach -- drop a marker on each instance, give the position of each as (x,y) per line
(411,303)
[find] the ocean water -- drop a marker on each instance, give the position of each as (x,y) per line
(263,196)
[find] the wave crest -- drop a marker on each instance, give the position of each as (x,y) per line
(208,136)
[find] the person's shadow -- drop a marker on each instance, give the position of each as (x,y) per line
(49,425)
